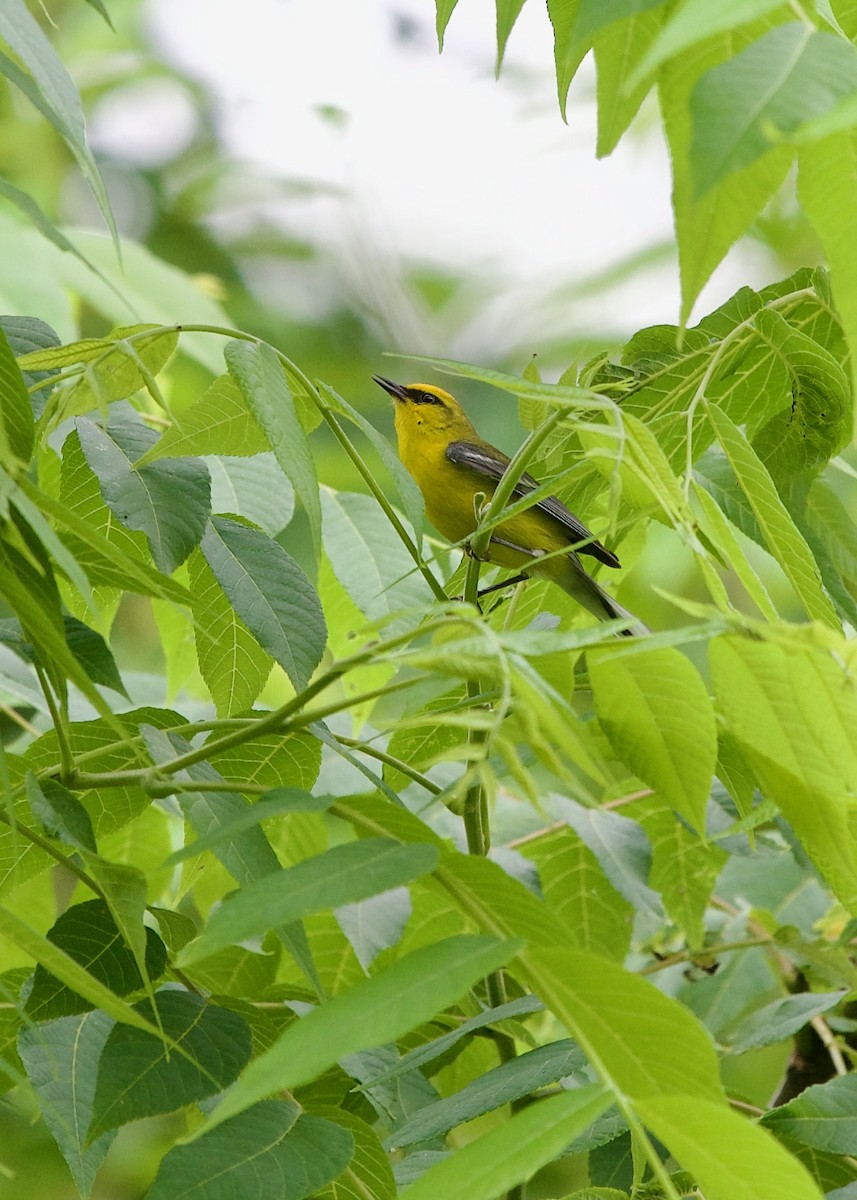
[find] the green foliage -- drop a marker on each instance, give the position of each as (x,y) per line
(254,910)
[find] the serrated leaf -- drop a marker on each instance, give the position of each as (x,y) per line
(231,661)
(61,1060)
(272,1150)
(693,21)
(270,593)
(684,868)
(499,1160)
(265,386)
(790,76)
(94,655)
(374,1012)
(783,538)
(369,1172)
(48,85)
(444,10)
(218,423)
(139,1077)
(273,804)
(790,708)
(341,875)
(671,746)
(693,1129)
(778,1020)
(60,812)
(16,413)
(368,557)
(827,187)
(254,488)
(824,1116)
(510,1081)
(88,934)
(168,501)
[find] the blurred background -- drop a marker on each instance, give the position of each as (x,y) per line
(343,191)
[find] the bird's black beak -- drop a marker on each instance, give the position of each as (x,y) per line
(395,389)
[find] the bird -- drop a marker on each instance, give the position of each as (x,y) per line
(450,463)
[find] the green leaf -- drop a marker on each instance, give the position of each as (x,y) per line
(512,1080)
(791,710)
(740,109)
(801,439)
(783,539)
(60,812)
(508,12)
(409,494)
(569,51)
(695,1130)
(88,934)
(16,412)
(138,1076)
(28,206)
(61,1060)
(824,1116)
(342,875)
(273,804)
(444,9)
(708,226)
(94,655)
(231,661)
(77,980)
(368,557)
(577,889)
(169,501)
(499,1160)
(270,593)
(618,47)
(125,361)
(720,530)
(684,869)
(124,889)
(264,385)
(778,1020)
(659,720)
(622,1023)
(369,1173)
(827,189)
(272,1150)
(254,488)
(440,1045)
(50,88)
(594,15)
(693,21)
(621,847)
(374,1012)
(218,423)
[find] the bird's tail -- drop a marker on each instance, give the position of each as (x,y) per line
(570,574)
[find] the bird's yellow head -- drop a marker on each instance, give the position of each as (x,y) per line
(424,412)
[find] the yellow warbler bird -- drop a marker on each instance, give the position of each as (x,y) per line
(451,463)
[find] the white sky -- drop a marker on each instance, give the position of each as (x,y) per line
(437,161)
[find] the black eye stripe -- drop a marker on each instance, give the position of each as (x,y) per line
(418,397)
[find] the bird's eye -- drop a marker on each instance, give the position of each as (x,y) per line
(419,397)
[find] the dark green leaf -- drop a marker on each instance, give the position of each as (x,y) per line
(824,1116)
(60,812)
(61,1060)
(271,595)
(169,501)
(779,1020)
(138,1076)
(264,385)
(88,934)
(93,654)
(16,412)
(510,1081)
(271,1150)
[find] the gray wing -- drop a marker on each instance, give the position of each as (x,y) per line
(492,465)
